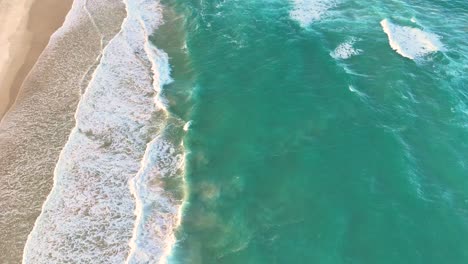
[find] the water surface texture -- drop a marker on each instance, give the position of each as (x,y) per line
(269,131)
(326,132)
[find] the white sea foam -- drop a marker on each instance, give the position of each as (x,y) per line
(412,43)
(156,210)
(308,11)
(37,126)
(345,50)
(89,216)
(187,125)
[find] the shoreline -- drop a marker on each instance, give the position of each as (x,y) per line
(27,32)
(125,99)
(37,125)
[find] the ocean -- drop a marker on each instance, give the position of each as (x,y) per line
(268,131)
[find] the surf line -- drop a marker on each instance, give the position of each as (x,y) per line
(158,214)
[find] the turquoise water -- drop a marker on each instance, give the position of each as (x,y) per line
(294,156)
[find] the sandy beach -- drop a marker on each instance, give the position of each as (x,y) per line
(25,29)
(37,125)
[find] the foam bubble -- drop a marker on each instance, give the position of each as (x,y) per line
(345,50)
(412,43)
(308,11)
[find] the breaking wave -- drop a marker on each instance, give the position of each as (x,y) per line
(118,157)
(412,43)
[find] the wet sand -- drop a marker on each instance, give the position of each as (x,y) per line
(37,125)
(25,30)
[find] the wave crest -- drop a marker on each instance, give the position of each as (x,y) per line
(412,43)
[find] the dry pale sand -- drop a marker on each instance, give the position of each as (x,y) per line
(37,125)
(25,29)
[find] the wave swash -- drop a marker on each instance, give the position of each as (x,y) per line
(107,204)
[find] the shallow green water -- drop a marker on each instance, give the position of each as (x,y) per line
(297,157)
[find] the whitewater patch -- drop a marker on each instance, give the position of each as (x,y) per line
(412,43)
(187,125)
(308,11)
(157,211)
(345,50)
(89,216)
